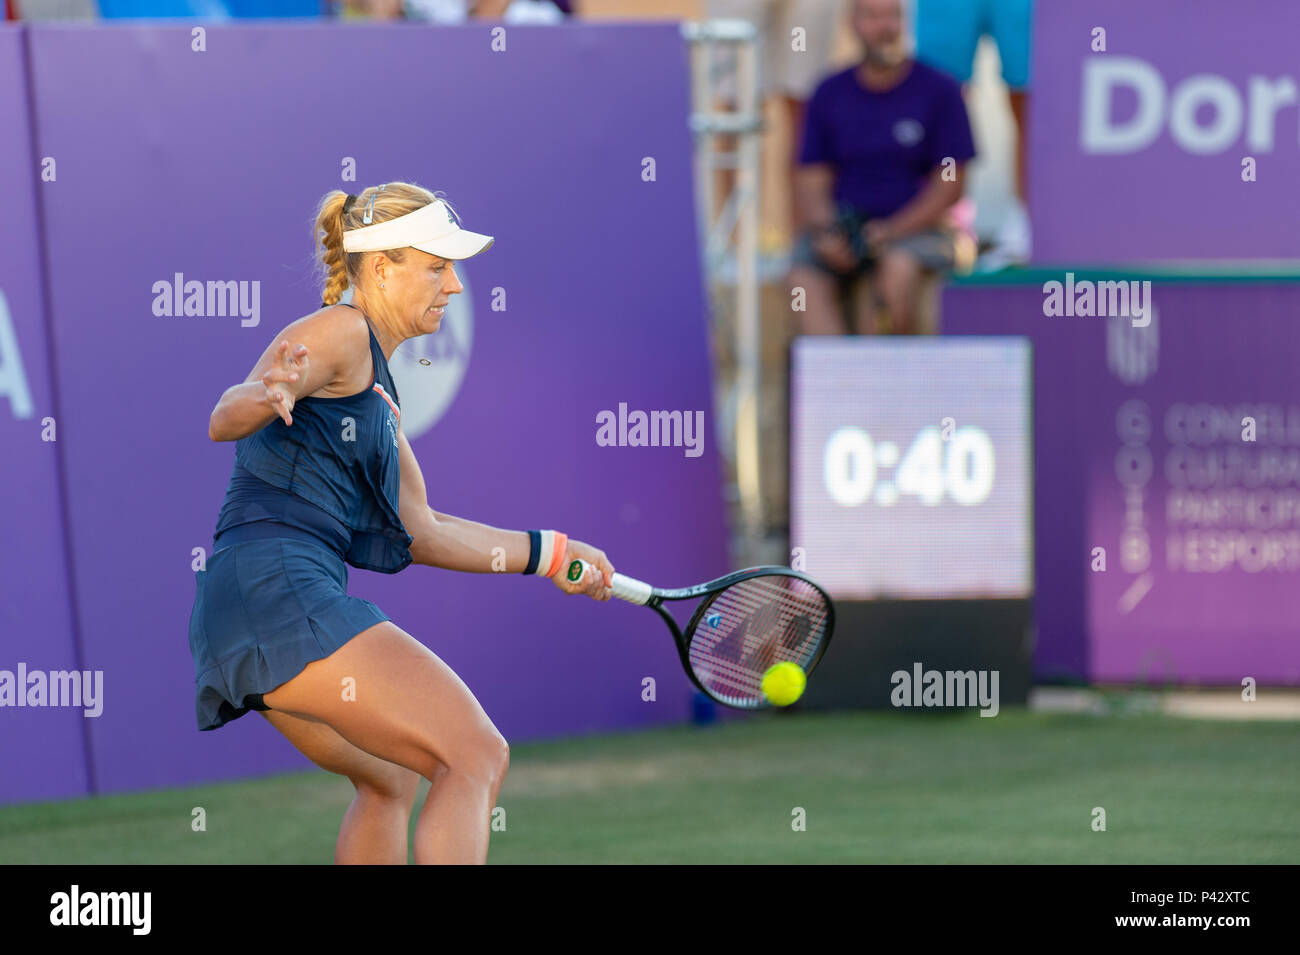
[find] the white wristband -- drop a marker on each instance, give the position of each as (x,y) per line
(546,554)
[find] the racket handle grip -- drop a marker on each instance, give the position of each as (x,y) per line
(625,588)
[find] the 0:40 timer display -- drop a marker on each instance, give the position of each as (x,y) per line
(856,468)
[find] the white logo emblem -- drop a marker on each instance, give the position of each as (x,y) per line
(908,132)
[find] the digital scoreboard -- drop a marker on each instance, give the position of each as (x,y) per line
(911,466)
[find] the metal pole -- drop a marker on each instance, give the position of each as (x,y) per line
(701,70)
(748,329)
(739,213)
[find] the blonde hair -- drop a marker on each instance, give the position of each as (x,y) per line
(340,268)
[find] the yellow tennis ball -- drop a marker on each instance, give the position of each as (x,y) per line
(783,683)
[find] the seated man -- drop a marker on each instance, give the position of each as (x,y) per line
(881,165)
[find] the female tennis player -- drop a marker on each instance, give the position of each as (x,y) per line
(324,477)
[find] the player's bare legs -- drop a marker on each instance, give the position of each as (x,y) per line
(410,708)
(374,829)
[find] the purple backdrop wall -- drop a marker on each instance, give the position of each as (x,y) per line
(208,164)
(42,751)
(1136,153)
(1140,451)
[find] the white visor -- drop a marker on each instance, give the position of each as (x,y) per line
(432,228)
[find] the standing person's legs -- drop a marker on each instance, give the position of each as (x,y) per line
(408,707)
(1012,27)
(947,34)
(1020,111)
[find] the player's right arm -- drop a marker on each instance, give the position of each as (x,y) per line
(285,373)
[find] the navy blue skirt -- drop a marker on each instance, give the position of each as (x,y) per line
(263,610)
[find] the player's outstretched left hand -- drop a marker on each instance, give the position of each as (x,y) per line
(596,585)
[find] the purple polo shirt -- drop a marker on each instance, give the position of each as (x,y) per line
(885,144)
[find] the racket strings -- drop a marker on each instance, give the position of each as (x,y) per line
(749,627)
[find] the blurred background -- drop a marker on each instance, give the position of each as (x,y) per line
(987,307)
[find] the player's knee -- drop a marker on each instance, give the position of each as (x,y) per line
(397,784)
(485,760)
(482,760)
(496,756)
(505,757)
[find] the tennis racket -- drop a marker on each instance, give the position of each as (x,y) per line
(746,622)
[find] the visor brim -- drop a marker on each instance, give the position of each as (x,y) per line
(461,244)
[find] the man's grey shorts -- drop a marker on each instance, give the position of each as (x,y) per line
(938,250)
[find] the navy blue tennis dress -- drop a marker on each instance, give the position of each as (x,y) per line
(303,502)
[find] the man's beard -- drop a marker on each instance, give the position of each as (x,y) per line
(885,56)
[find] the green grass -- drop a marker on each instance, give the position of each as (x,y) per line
(876,787)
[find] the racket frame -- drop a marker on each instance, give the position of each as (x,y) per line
(711,591)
